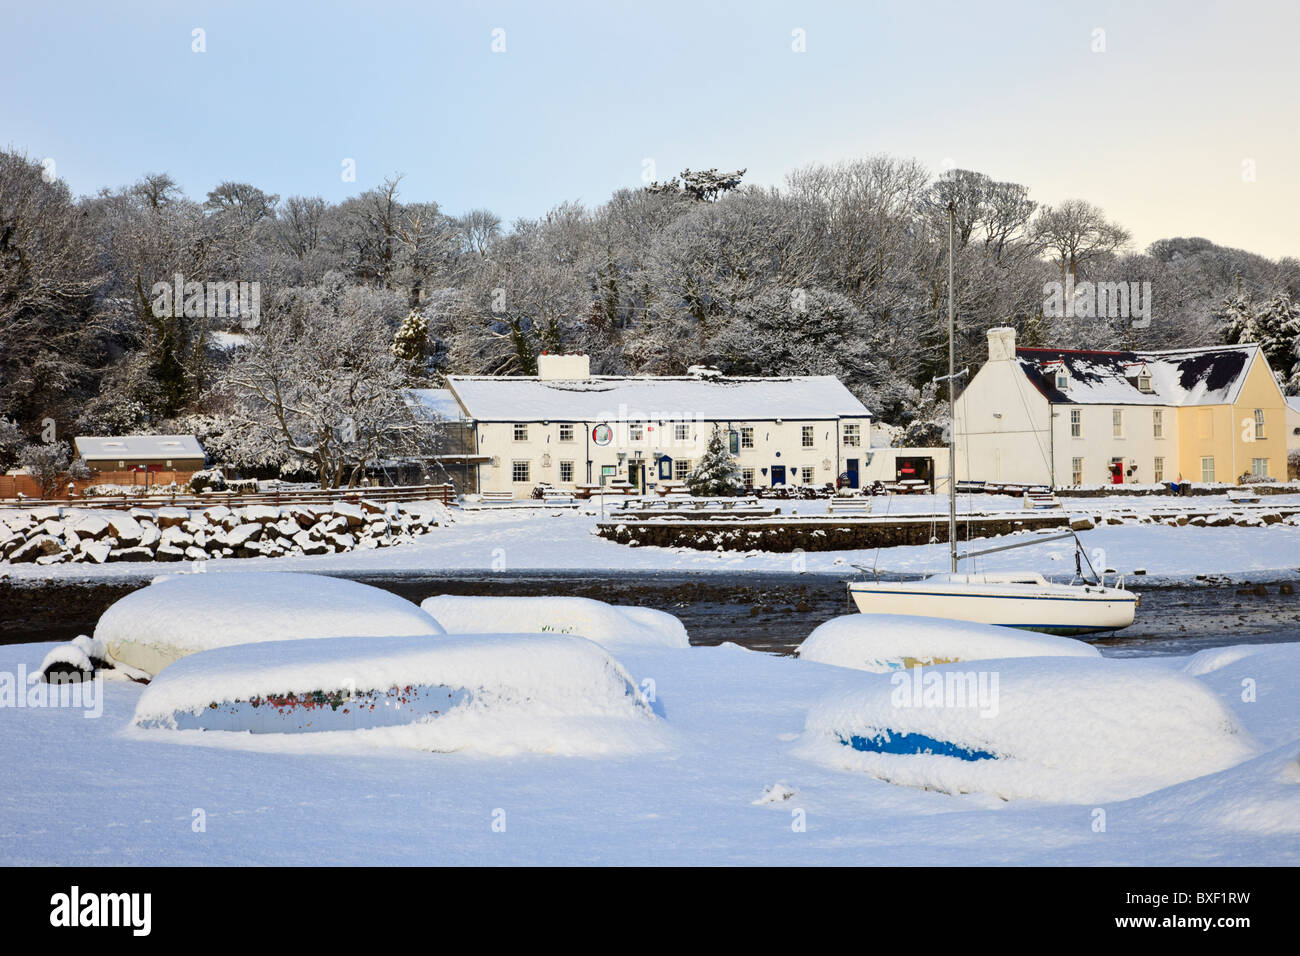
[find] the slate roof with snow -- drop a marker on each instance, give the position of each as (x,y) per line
(648,398)
(440,401)
(123,447)
(1201,376)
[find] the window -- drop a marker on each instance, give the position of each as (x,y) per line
(747,476)
(1076,423)
(1259,424)
(747,438)
(521,433)
(635,431)
(807,474)
(682,431)
(1158,424)
(1076,471)
(1062,380)
(1158,472)
(1117,422)
(566,431)
(681,469)
(852,434)
(1207,468)
(520,471)
(808,437)
(1144,383)
(1259,467)
(566,471)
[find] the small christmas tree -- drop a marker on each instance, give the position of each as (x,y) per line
(716,474)
(411,343)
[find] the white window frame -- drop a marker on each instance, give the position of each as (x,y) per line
(1158,469)
(636,431)
(682,467)
(1076,423)
(747,436)
(566,431)
(807,474)
(1259,424)
(566,465)
(520,431)
(1076,471)
(808,436)
(852,435)
(1157,423)
(527,467)
(1117,423)
(1259,467)
(1207,468)
(682,431)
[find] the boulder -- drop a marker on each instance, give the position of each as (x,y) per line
(171,517)
(41,546)
(125,528)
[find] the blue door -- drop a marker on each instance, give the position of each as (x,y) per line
(778,475)
(851,469)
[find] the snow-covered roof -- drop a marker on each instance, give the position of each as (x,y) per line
(440,401)
(1293,402)
(1200,376)
(648,398)
(123,447)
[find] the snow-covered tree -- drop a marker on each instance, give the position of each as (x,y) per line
(411,343)
(49,462)
(1274,327)
(320,382)
(716,474)
(11,442)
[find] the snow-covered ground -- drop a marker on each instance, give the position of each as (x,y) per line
(729,786)
(520,539)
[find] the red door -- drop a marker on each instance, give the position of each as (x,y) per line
(1117,471)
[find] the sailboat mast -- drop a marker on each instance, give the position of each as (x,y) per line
(952,406)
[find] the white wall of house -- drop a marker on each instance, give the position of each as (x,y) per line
(522,455)
(1001,422)
(1147,457)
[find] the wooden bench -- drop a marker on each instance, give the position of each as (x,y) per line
(496,497)
(558,496)
(1241,496)
(1041,500)
(849,506)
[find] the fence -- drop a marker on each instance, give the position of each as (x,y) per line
(319,496)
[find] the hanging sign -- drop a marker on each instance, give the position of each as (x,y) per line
(602,435)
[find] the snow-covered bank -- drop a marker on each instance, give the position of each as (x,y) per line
(520,540)
(729,788)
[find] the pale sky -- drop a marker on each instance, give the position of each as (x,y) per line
(1185,124)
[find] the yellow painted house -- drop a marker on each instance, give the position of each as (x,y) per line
(1076,418)
(1245,434)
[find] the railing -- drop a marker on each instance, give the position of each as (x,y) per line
(317,496)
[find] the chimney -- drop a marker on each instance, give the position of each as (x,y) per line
(575,367)
(1002,344)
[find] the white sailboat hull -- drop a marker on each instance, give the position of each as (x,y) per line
(1052,608)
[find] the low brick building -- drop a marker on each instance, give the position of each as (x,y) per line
(141,459)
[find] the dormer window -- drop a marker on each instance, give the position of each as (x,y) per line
(1144,383)
(1062,379)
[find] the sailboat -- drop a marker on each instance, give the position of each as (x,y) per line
(1026,600)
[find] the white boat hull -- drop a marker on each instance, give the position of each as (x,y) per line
(1051,608)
